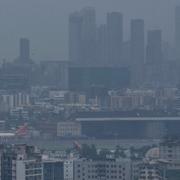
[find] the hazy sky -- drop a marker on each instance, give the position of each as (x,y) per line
(45,22)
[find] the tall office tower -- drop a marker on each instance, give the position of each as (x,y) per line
(102,45)
(126,53)
(24,54)
(154,47)
(177,32)
(137,41)
(75,26)
(88,36)
(154,76)
(115,38)
(137,50)
(82,37)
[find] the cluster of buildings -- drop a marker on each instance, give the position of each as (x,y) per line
(152,61)
(96,98)
(103,73)
(23,162)
(98,113)
(100,57)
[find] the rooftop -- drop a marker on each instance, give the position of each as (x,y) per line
(129,119)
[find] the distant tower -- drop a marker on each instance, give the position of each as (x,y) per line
(137,51)
(75,28)
(82,37)
(115,38)
(154,47)
(88,36)
(102,59)
(137,41)
(154,75)
(24,54)
(177,32)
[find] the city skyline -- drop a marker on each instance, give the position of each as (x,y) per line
(37,26)
(90,90)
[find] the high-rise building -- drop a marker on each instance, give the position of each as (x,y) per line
(169,150)
(53,170)
(137,41)
(20,162)
(126,53)
(68,169)
(137,50)
(107,169)
(115,38)
(154,47)
(177,31)
(82,37)
(102,45)
(154,63)
(88,36)
(24,48)
(75,27)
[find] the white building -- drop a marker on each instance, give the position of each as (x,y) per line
(29,170)
(105,170)
(68,170)
(15,100)
(68,129)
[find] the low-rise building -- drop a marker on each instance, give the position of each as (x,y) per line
(68,129)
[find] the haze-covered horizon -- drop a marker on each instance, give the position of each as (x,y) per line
(45,22)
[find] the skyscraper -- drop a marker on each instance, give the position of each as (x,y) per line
(154,47)
(137,50)
(75,28)
(177,32)
(24,54)
(82,37)
(88,36)
(115,37)
(154,61)
(102,45)
(137,41)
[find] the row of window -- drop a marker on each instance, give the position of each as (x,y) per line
(103,165)
(107,177)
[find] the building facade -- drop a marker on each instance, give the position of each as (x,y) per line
(53,170)
(68,129)
(106,170)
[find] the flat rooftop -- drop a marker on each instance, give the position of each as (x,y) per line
(129,119)
(7,134)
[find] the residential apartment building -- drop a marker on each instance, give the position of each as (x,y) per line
(104,170)
(20,162)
